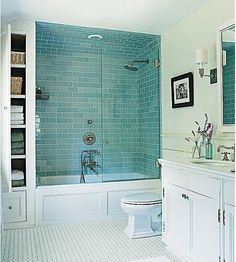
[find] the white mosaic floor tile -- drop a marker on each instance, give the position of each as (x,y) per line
(154,259)
(94,241)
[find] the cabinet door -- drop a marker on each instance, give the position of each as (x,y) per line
(176,220)
(229,232)
(14,207)
(5,103)
(205,228)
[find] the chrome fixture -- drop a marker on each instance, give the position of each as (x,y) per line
(225,158)
(87,161)
(131,66)
(201,60)
(89,138)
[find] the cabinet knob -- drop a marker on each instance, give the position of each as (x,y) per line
(185,196)
(10,207)
(5,107)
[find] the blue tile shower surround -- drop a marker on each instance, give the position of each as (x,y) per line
(229,83)
(86,80)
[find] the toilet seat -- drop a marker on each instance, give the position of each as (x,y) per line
(142,199)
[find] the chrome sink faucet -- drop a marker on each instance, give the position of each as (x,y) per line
(225,158)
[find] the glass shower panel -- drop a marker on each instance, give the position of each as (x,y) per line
(120,118)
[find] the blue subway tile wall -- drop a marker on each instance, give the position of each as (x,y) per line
(149,110)
(86,80)
(229,84)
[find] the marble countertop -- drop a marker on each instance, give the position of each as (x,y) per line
(215,167)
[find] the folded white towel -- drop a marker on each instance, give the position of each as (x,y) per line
(17,116)
(17,174)
(16,109)
(17,122)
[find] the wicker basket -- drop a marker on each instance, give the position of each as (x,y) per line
(18,58)
(16,85)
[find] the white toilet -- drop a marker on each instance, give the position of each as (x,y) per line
(144,211)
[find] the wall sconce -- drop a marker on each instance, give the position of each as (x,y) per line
(201,60)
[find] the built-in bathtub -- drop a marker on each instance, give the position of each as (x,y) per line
(65,180)
(63,200)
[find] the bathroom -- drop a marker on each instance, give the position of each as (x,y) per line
(98,116)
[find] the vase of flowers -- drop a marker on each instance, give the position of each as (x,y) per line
(202,140)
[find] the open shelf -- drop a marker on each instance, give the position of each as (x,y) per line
(18,126)
(18,66)
(18,96)
(18,42)
(19,72)
(18,156)
(19,164)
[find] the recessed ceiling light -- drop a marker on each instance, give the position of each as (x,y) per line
(95,37)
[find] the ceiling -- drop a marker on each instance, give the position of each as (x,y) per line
(147,16)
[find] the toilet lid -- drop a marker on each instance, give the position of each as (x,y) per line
(142,198)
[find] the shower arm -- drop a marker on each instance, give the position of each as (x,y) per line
(140,61)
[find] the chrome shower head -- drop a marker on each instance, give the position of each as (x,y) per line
(131,66)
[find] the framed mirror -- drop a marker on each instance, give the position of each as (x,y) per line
(226,76)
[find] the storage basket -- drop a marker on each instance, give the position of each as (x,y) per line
(18,58)
(16,85)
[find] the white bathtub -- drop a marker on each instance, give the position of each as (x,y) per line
(71,203)
(66,180)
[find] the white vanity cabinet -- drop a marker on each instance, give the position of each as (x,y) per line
(176,219)
(228,219)
(191,213)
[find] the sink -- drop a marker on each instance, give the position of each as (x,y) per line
(216,164)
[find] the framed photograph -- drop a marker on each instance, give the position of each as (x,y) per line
(182,90)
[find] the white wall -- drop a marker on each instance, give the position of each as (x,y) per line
(178,57)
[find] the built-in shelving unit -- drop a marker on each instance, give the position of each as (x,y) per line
(18,123)
(18,109)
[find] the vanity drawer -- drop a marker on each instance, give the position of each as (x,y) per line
(229,192)
(175,176)
(207,186)
(14,207)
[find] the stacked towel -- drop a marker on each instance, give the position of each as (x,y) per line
(17,109)
(17,115)
(17,142)
(17,177)
(17,135)
(17,174)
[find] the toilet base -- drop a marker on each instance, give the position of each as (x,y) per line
(142,226)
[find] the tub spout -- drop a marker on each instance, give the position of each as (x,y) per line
(82,179)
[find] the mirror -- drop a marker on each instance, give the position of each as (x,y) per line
(226,76)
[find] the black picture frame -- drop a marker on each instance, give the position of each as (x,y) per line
(182,90)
